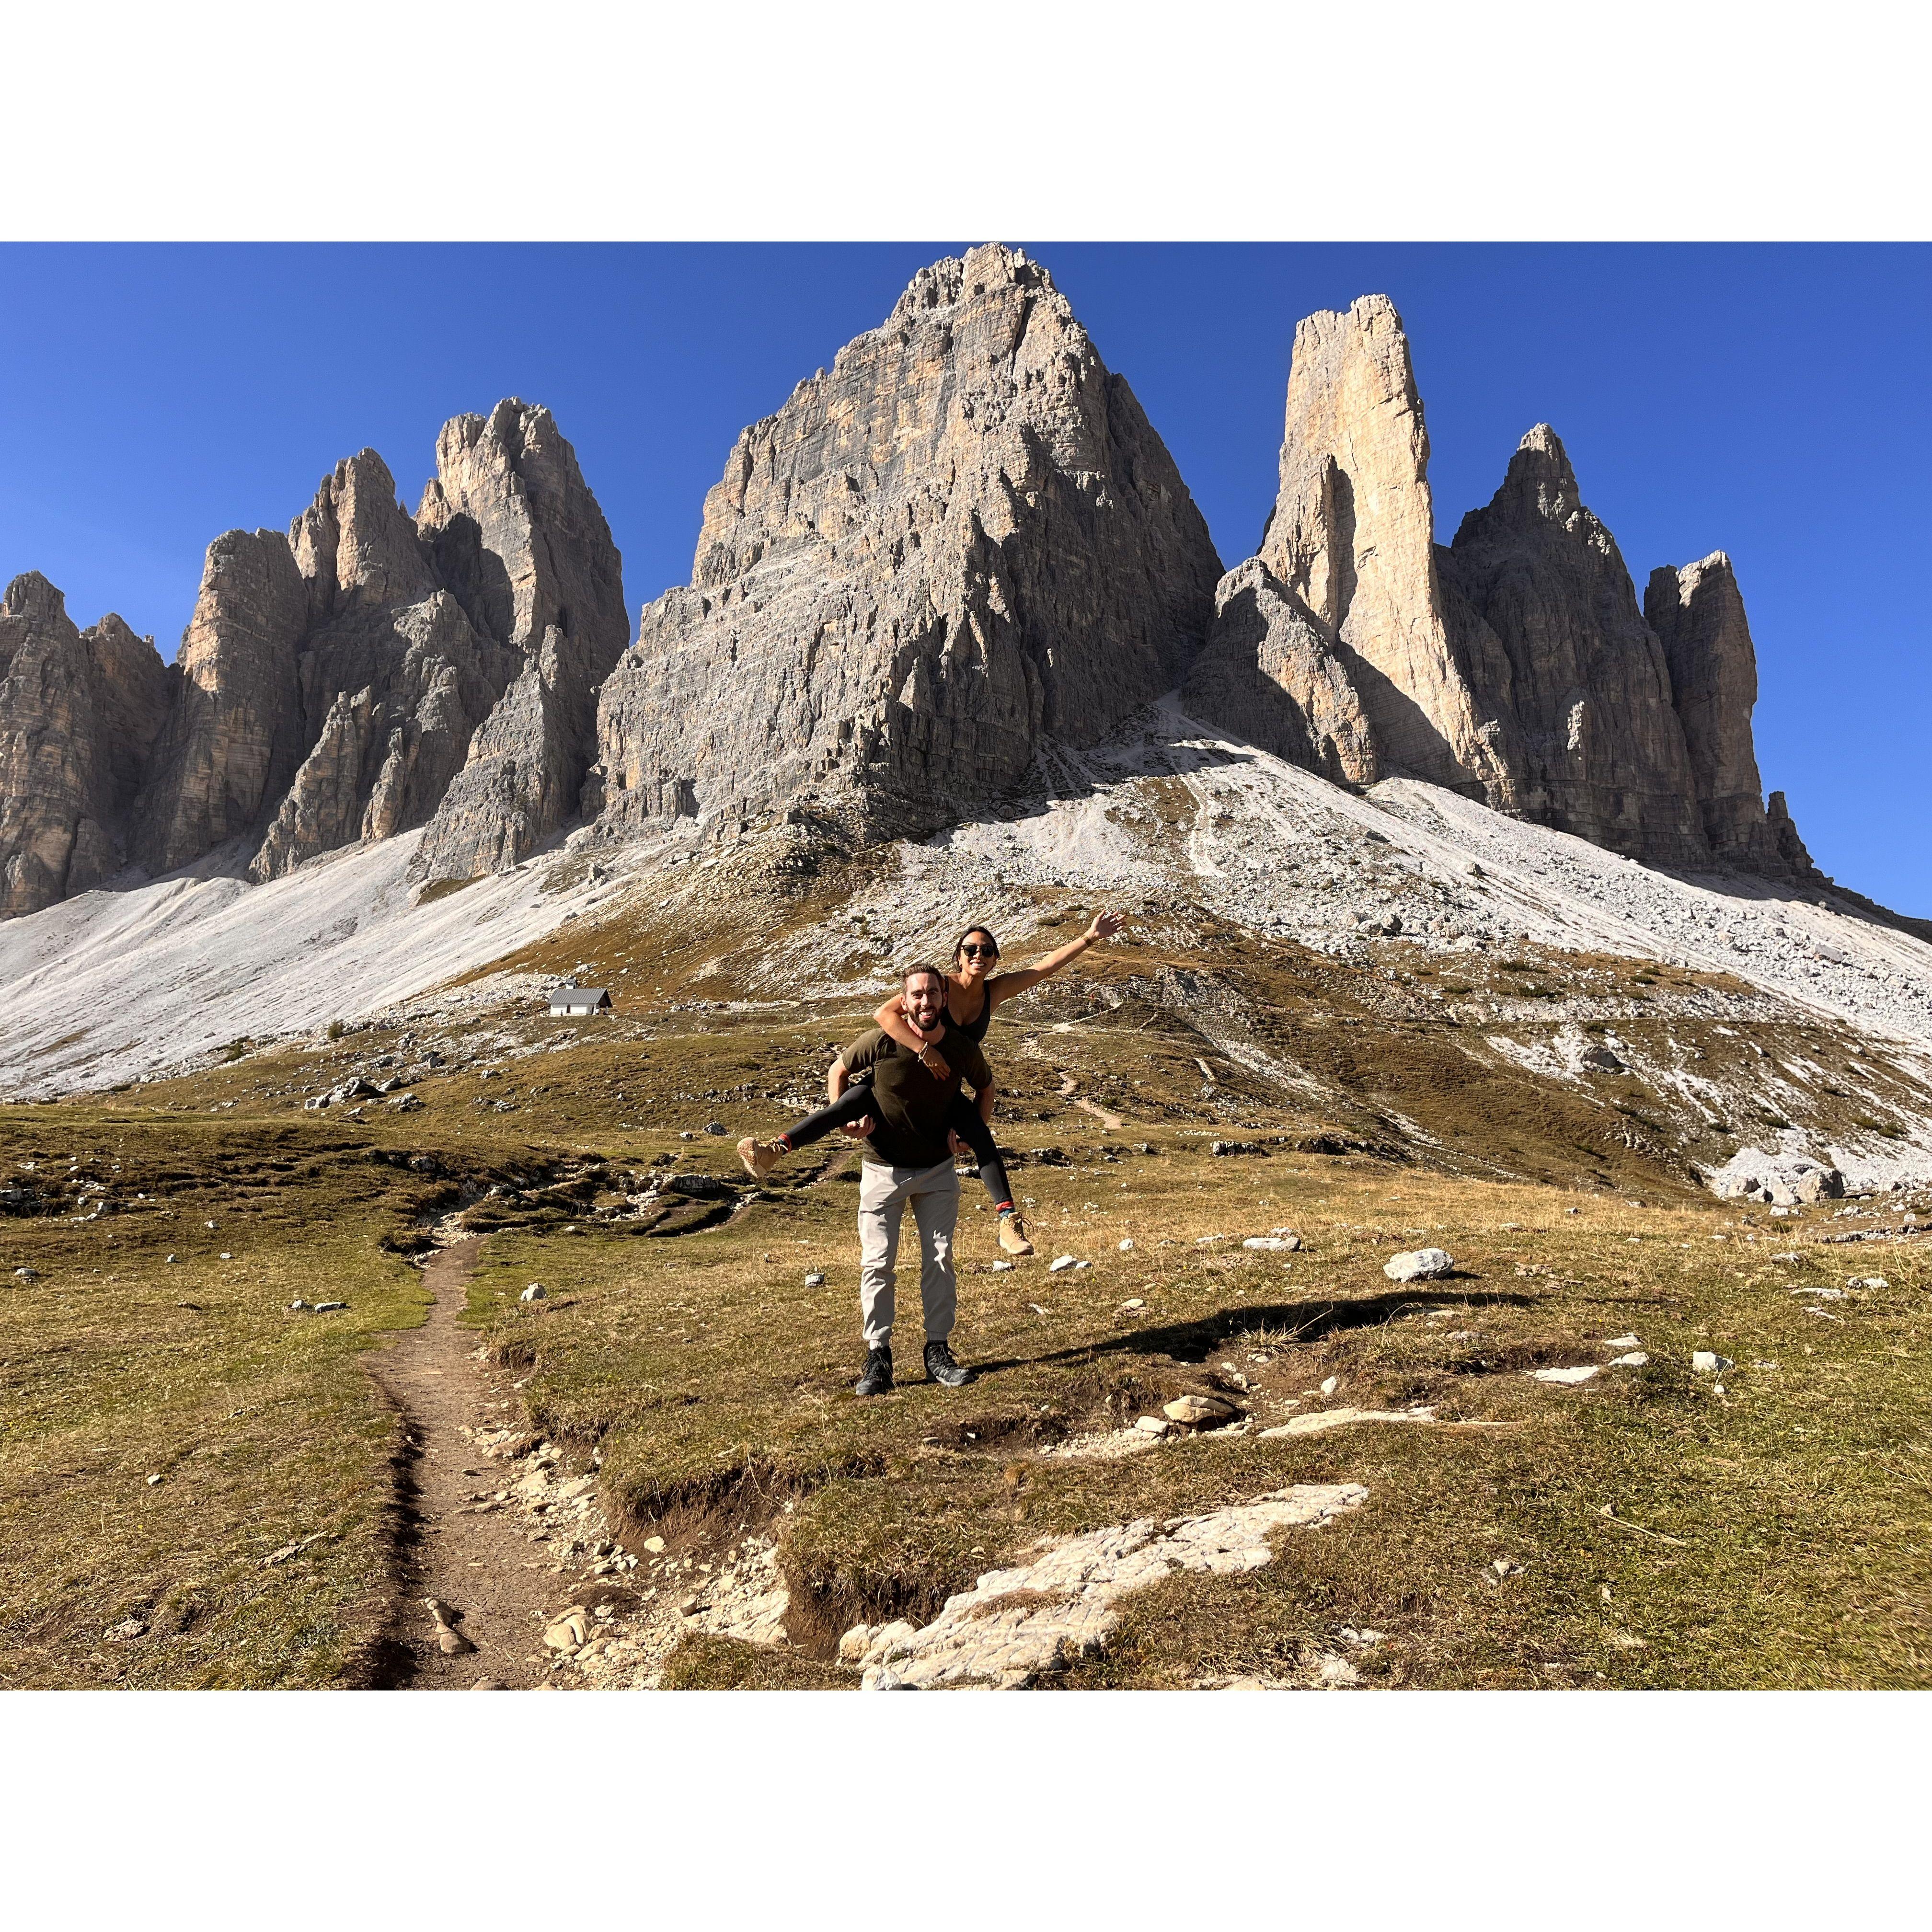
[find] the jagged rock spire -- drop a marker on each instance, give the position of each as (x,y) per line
(337,683)
(962,544)
(234,737)
(1603,753)
(79,711)
(1698,614)
(1344,637)
(1514,662)
(1352,539)
(520,538)
(963,541)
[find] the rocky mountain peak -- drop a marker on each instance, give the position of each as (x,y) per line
(1540,471)
(525,549)
(991,266)
(513,476)
(961,543)
(1602,751)
(1795,862)
(135,690)
(335,683)
(78,714)
(32,603)
(1538,488)
(1350,369)
(1515,662)
(233,737)
(1698,613)
(355,543)
(960,547)
(1349,548)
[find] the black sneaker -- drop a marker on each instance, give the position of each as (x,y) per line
(941,1368)
(877,1379)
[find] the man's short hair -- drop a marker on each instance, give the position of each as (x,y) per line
(912,973)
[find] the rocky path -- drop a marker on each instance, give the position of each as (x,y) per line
(467,1554)
(1069,1088)
(524,1586)
(509,1576)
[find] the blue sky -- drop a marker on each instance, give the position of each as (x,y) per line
(1769,401)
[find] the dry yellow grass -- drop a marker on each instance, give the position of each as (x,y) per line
(119,1366)
(709,1374)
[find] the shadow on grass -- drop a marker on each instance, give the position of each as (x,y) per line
(1193,1342)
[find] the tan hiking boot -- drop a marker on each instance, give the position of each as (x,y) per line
(1013,1235)
(760,1156)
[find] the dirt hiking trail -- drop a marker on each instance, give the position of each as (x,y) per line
(476,1562)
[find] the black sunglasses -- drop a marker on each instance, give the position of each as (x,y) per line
(979,952)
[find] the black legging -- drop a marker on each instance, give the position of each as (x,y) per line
(964,1118)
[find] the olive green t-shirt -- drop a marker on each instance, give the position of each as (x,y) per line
(909,1116)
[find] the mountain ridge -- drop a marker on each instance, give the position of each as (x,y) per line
(1514,664)
(961,547)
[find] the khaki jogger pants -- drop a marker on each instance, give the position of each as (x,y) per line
(884,1194)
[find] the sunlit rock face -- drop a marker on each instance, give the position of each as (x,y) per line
(962,544)
(1513,665)
(1601,748)
(370,673)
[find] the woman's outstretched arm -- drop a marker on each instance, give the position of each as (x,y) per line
(1004,985)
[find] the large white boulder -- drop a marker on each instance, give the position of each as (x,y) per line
(1419,1264)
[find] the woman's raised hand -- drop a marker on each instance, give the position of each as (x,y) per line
(1104,925)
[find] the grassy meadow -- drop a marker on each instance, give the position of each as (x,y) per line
(1772,1535)
(1651,1526)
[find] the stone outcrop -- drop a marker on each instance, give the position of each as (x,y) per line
(964,542)
(1277,669)
(1349,547)
(519,538)
(233,737)
(393,677)
(369,674)
(1795,863)
(1786,1180)
(135,689)
(1513,665)
(961,547)
(1698,614)
(1602,752)
(79,712)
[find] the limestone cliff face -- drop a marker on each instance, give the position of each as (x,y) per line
(962,542)
(1345,638)
(355,545)
(1795,862)
(135,691)
(1513,665)
(233,737)
(1603,752)
(79,712)
(394,677)
(520,541)
(1277,674)
(1698,614)
(336,683)
(1352,539)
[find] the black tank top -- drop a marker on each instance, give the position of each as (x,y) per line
(974,1029)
